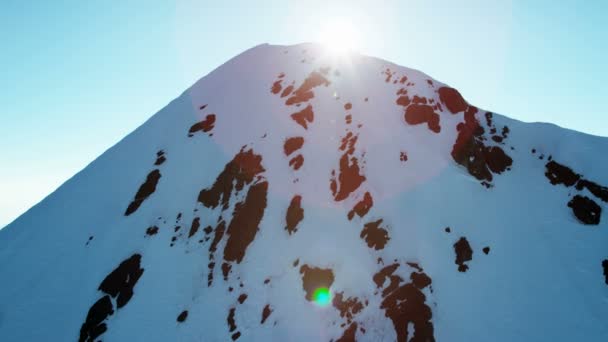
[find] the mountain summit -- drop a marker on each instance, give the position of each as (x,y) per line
(291,195)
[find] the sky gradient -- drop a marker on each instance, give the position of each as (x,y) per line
(77,76)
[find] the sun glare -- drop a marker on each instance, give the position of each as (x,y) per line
(339,37)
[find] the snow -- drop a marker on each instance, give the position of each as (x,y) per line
(542,279)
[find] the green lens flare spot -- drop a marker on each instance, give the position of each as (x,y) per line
(322,296)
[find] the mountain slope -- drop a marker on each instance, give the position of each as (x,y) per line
(286,170)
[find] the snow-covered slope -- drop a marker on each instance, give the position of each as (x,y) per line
(286,170)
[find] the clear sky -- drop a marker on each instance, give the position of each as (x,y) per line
(77,76)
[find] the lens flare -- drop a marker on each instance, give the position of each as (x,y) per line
(322,296)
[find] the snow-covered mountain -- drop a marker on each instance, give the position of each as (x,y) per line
(287,170)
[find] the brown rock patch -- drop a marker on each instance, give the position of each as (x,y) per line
(295,214)
(304,116)
(292,144)
(470,151)
(375,236)
(196,223)
(416,114)
(362,207)
(348,307)
(265,313)
(452,99)
(314,278)
(304,92)
(405,305)
(349,334)
(297,162)
(205,125)
(349,178)
(245,221)
(242,298)
(230,319)
(287,91)
(276,87)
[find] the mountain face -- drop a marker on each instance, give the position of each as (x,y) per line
(286,173)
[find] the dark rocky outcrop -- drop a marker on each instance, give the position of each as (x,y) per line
(585,209)
(182,316)
(464,253)
(119,285)
(145,190)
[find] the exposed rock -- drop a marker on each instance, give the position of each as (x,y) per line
(297,162)
(464,253)
(206,125)
(349,178)
(245,222)
(348,307)
(349,334)
(452,99)
(585,209)
(120,282)
(416,114)
(362,207)
(276,87)
(314,278)
(182,316)
(242,298)
(160,157)
(560,174)
(265,313)
(597,190)
(93,327)
(375,236)
(405,305)
(196,223)
(145,190)
(470,151)
(240,171)
(230,319)
(292,144)
(304,117)
(295,214)
(151,230)
(304,92)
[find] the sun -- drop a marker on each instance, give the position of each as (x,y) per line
(339,36)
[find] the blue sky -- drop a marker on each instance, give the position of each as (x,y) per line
(77,76)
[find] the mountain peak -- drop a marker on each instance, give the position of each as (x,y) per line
(292,194)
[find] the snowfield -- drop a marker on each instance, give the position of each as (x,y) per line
(286,170)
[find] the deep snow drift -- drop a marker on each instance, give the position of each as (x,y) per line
(286,170)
